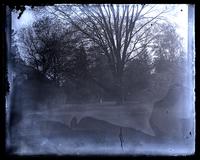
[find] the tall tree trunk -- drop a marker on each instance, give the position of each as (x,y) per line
(120,92)
(119,86)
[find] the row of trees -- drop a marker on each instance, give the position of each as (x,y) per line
(102,50)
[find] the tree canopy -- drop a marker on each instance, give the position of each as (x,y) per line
(114,48)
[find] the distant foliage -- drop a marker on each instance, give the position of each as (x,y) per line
(90,61)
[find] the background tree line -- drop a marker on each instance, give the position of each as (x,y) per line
(109,52)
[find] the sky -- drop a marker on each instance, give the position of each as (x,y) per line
(179,17)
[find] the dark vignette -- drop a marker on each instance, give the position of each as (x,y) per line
(20,5)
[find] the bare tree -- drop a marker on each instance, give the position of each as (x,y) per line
(48,47)
(121,31)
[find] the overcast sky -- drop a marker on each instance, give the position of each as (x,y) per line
(179,16)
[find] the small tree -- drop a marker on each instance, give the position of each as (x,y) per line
(168,52)
(48,47)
